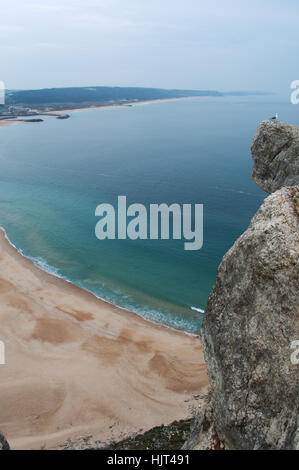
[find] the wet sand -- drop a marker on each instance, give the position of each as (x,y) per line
(76,364)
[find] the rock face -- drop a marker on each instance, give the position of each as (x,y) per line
(252,317)
(251,320)
(275,152)
(3,443)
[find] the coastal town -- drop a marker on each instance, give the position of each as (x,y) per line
(16,113)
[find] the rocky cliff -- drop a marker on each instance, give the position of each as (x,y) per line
(252,315)
(275,152)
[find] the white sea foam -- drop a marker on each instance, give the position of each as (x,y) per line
(38,261)
(44,266)
(197,309)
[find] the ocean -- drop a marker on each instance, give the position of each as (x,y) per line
(54,174)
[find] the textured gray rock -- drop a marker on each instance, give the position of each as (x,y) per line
(275,152)
(3,443)
(252,316)
(251,319)
(203,434)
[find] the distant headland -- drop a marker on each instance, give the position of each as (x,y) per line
(20,103)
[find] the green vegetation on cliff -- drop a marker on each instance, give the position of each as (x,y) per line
(95,95)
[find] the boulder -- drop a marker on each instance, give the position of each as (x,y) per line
(275,152)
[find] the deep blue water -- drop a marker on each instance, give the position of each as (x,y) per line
(54,174)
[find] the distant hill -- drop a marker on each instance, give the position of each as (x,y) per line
(247,93)
(82,96)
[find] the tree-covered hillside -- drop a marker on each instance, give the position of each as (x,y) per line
(95,95)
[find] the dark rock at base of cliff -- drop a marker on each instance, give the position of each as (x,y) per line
(3,443)
(203,434)
(170,437)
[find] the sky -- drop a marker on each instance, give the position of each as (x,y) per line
(188,44)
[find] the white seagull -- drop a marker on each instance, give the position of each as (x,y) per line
(274,118)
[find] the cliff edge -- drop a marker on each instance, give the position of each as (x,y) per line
(252,316)
(275,153)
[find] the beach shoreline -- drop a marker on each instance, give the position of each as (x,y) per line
(122,105)
(88,363)
(4,123)
(129,312)
(52,274)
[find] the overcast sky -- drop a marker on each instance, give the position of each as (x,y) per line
(192,44)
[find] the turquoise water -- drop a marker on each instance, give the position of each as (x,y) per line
(54,174)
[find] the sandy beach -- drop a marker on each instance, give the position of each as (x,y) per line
(7,123)
(4,123)
(122,105)
(77,365)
